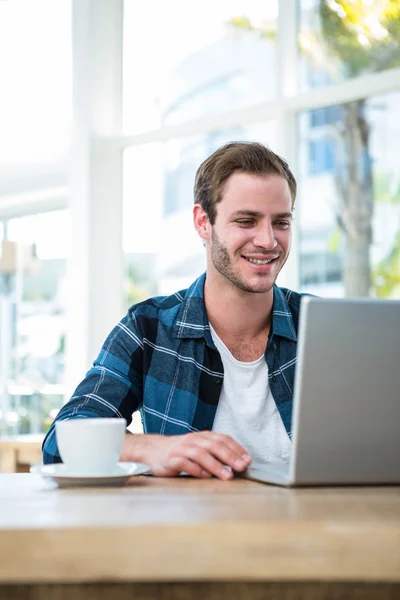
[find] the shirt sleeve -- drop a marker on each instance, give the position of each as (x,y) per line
(112,388)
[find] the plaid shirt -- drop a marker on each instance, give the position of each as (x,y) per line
(161,360)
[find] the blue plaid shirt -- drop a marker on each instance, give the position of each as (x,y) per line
(161,360)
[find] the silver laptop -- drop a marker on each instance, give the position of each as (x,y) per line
(346,404)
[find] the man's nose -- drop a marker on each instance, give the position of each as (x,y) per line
(265,237)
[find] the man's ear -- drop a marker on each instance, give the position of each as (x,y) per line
(201,222)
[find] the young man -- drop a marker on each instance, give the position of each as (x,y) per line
(211,368)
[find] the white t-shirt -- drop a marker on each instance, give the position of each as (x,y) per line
(246,409)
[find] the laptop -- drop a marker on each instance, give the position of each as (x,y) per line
(346,403)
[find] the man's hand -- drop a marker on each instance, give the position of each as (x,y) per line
(201,454)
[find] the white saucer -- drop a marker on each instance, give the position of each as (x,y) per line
(64,478)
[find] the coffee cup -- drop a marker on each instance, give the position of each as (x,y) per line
(90,446)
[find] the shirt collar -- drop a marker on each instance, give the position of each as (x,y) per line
(282,319)
(192,320)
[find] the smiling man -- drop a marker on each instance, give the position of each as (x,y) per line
(210,368)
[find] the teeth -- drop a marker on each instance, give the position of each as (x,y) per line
(257,261)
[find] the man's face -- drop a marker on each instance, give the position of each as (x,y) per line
(250,239)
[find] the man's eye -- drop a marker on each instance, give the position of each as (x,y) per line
(283,224)
(245,221)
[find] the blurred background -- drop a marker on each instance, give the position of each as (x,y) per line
(107,108)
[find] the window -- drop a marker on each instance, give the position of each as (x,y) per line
(35,118)
(322,156)
(350,215)
(325,116)
(32,331)
(35,75)
(185,60)
(341,40)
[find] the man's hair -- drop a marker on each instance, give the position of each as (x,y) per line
(236,157)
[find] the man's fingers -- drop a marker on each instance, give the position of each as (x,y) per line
(235,447)
(226,450)
(208,462)
(184,465)
(201,454)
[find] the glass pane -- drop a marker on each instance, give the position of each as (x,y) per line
(349,201)
(163,252)
(185,60)
(341,39)
(35,75)
(32,321)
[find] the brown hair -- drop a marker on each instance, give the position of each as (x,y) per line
(242,157)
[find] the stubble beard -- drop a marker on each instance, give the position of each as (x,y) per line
(223,264)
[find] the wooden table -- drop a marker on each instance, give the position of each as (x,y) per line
(18,452)
(188,539)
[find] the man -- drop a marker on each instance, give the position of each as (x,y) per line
(211,368)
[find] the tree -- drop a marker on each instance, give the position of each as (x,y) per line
(386,275)
(363,37)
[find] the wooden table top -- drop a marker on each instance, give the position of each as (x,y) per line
(185,529)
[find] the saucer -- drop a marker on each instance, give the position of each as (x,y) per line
(59,474)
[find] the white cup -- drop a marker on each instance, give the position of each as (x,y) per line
(90,446)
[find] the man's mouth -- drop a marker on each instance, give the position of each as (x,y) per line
(259,261)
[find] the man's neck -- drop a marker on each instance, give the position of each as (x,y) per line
(235,314)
